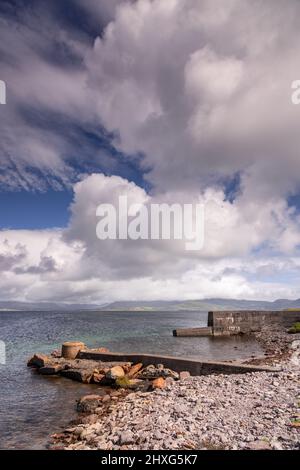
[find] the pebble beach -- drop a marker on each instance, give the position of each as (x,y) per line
(256,411)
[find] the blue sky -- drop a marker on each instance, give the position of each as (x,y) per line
(28,210)
(109,97)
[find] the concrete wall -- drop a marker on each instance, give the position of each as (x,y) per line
(234,322)
(175,363)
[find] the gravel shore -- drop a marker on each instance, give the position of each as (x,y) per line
(256,411)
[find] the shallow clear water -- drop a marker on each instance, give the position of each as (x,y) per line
(32,407)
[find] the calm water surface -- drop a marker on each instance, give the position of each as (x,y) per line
(32,407)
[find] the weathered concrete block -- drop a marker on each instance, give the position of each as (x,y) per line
(195,367)
(71,349)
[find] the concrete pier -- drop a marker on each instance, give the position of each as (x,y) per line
(227,323)
(194,366)
(248,321)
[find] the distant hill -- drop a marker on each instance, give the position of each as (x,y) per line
(45,306)
(203,305)
(156,305)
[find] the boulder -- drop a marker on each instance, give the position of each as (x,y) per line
(134,370)
(169,381)
(170,373)
(127,367)
(159,383)
(153,372)
(125,382)
(38,360)
(184,375)
(89,403)
(115,372)
(138,384)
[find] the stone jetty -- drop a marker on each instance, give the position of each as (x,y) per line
(252,411)
(227,323)
(118,373)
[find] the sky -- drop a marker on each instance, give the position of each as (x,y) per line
(161,101)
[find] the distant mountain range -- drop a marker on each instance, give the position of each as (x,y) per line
(157,305)
(203,305)
(45,306)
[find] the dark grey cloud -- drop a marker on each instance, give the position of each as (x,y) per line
(11,256)
(46,265)
(49,134)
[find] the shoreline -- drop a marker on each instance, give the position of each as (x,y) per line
(258,410)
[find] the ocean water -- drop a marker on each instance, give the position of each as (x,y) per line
(32,407)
